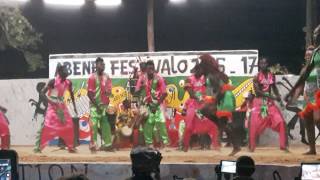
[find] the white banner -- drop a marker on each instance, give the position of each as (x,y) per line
(168,64)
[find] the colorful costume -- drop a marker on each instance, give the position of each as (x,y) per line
(100,85)
(312,85)
(155,88)
(4,132)
(265,114)
(123,124)
(58,122)
(196,123)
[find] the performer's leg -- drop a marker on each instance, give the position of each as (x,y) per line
(5,142)
(278,124)
(76,131)
(190,114)
(310,126)
(235,138)
(106,132)
(94,118)
(148,129)
(181,131)
(252,127)
(45,137)
(5,135)
(303,131)
(38,139)
(161,126)
(68,138)
(213,133)
(311,136)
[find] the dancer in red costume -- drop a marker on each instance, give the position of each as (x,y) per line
(58,122)
(195,121)
(4,129)
(265,113)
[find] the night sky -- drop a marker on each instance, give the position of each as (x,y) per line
(274,27)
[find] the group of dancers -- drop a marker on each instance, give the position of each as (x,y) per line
(209,110)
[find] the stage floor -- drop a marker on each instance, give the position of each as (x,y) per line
(262,155)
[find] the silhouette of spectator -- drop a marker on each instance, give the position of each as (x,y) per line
(145,163)
(245,168)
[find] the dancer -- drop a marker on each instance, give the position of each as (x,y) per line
(220,106)
(309,73)
(124,122)
(142,114)
(4,129)
(155,94)
(99,90)
(195,86)
(310,88)
(265,113)
(58,122)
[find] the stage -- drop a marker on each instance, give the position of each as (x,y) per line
(53,162)
(262,155)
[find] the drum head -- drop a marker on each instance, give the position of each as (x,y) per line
(111,110)
(126,131)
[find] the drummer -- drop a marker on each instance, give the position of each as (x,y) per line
(124,122)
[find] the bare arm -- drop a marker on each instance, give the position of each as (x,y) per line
(72,98)
(91,92)
(299,86)
(109,86)
(189,89)
(3,109)
(43,92)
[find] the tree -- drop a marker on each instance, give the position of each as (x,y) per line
(18,33)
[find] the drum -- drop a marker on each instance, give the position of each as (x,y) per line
(126,131)
(111,110)
(144,111)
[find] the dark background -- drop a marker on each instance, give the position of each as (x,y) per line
(274,27)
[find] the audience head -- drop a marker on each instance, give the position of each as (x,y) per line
(145,162)
(245,166)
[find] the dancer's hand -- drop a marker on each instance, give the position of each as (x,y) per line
(76,112)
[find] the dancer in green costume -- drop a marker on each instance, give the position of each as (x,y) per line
(99,90)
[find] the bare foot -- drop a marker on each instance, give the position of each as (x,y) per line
(36,150)
(310,153)
(72,150)
(235,151)
(285,150)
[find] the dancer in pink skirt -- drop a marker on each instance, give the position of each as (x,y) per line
(58,122)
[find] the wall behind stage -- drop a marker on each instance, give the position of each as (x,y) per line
(18,95)
(15,96)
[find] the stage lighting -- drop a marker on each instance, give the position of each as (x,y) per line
(177,1)
(107,2)
(65,2)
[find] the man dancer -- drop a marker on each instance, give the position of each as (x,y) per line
(218,108)
(195,86)
(264,111)
(155,94)
(99,90)
(4,129)
(58,121)
(311,72)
